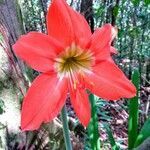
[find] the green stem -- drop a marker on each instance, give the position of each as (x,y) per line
(66,129)
(93,126)
(133,112)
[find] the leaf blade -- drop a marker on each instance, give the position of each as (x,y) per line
(110,137)
(133,112)
(144,133)
(93,132)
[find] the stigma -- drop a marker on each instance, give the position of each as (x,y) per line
(73,60)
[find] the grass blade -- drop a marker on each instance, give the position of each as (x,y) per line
(144,133)
(110,137)
(93,132)
(133,112)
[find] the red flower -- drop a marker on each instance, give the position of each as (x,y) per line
(70,59)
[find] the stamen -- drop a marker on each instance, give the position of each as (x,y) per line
(73,60)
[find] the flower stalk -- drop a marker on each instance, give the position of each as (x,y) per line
(66,129)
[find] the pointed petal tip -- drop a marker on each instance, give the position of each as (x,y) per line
(114,84)
(114,32)
(133,91)
(113,29)
(131,94)
(85,124)
(28,126)
(113,50)
(25,129)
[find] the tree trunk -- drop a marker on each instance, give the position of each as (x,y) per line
(11,20)
(114,13)
(87,11)
(12,81)
(9,16)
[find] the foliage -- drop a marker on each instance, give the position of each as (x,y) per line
(110,136)
(93,126)
(33,15)
(144,133)
(132,22)
(1,106)
(133,112)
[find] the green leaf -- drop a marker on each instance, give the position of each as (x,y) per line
(110,136)
(147,2)
(133,112)
(115,11)
(1,106)
(144,133)
(135,2)
(93,132)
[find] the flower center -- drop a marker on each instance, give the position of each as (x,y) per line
(73,60)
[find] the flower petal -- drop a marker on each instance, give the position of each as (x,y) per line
(101,40)
(108,81)
(113,50)
(37,50)
(66,25)
(81,105)
(44,100)
(102,55)
(81,28)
